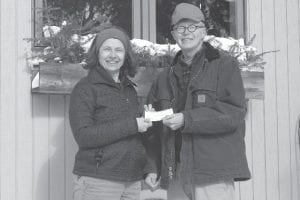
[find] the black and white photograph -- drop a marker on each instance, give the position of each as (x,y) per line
(149,100)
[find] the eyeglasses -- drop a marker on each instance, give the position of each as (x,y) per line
(191,28)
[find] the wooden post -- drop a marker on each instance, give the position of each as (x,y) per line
(136,19)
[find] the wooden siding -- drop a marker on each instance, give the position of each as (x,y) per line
(55,149)
(37,148)
(16,139)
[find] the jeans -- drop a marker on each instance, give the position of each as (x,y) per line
(88,188)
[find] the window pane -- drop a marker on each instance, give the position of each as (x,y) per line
(54,12)
(221,15)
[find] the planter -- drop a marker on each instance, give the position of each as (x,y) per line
(56,78)
(61,78)
(253,84)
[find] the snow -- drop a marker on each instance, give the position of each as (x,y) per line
(153,48)
(240,50)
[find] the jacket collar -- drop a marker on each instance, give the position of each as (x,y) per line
(210,53)
(98,75)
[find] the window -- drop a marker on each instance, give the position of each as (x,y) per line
(55,12)
(226,17)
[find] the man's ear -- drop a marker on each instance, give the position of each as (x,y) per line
(204,33)
(173,35)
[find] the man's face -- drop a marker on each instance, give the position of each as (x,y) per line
(189,34)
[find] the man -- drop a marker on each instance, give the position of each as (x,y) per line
(202,144)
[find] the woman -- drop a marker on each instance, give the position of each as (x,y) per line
(106,123)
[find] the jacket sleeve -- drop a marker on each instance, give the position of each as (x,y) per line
(86,132)
(153,151)
(152,139)
(229,108)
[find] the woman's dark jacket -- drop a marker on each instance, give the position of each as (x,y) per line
(103,121)
(213,145)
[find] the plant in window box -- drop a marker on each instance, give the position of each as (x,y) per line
(61,57)
(246,54)
(251,63)
(153,55)
(150,59)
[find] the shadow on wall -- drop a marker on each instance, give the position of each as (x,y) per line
(54,148)
(55,176)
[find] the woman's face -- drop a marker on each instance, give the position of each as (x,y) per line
(112,55)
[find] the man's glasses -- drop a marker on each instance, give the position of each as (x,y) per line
(191,28)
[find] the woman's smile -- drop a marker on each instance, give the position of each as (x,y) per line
(112,55)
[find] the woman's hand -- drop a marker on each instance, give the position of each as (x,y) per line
(149,108)
(143,124)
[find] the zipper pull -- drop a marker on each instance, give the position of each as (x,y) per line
(170,173)
(98,160)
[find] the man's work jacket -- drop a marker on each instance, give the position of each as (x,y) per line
(213,146)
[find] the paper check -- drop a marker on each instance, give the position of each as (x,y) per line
(158,115)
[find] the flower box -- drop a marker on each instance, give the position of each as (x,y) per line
(253,84)
(56,78)
(61,78)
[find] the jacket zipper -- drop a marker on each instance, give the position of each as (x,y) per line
(171,169)
(98,158)
(200,70)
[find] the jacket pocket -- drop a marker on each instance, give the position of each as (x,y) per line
(214,153)
(128,154)
(204,97)
(105,155)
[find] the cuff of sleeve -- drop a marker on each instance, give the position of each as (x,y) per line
(187,121)
(149,169)
(132,127)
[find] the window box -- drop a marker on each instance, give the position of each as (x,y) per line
(61,78)
(56,78)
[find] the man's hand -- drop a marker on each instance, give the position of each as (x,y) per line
(174,121)
(143,124)
(151,180)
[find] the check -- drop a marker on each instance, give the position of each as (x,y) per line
(158,115)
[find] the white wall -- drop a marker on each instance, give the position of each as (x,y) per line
(16,145)
(276,24)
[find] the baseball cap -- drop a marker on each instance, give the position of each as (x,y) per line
(187,11)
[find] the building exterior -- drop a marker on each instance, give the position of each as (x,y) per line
(36,145)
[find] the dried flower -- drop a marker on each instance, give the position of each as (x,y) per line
(247,56)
